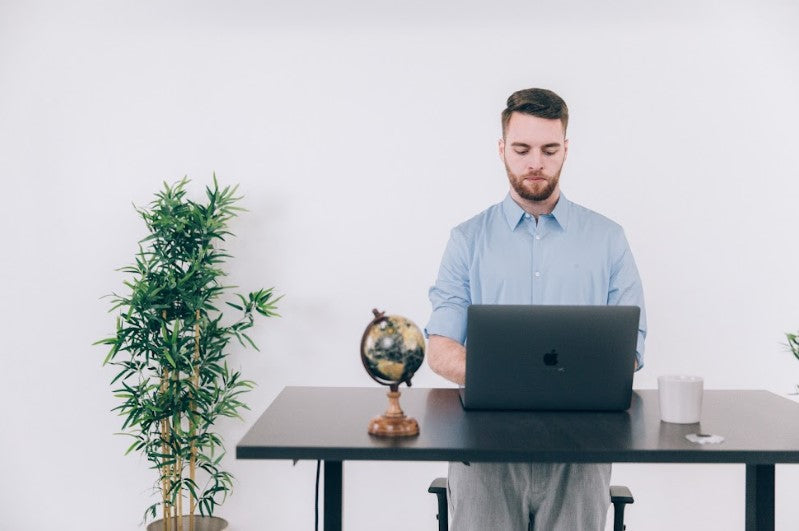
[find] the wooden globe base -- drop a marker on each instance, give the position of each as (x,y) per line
(393,423)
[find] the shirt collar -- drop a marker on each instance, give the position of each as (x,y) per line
(562,211)
(514,213)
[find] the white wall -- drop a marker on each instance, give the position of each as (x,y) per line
(360,133)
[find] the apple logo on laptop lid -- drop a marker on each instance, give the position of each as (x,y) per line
(551,361)
(551,358)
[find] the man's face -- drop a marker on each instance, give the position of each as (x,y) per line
(533,150)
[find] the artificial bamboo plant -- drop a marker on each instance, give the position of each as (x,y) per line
(171,346)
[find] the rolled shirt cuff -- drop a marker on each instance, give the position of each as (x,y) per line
(447,322)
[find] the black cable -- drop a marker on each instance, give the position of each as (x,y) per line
(316,499)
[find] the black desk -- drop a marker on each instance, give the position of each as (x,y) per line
(760,429)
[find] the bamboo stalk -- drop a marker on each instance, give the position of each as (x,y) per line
(165,472)
(192,429)
(164,469)
(165,506)
(177,468)
(179,508)
(165,483)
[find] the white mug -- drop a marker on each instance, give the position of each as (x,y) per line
(680,398)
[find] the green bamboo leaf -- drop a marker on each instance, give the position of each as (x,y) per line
(250,341)
(175,332)
(111,353)
(132,447)
(169,359)
(151,511)
(106,341)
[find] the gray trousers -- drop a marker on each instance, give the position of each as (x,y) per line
(508,496)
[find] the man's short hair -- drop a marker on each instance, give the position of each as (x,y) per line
(536,102)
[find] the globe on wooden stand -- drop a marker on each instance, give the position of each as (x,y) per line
(392,349)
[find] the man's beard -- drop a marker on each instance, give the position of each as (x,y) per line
(539,192)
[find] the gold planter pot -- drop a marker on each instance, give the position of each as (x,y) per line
(201,523)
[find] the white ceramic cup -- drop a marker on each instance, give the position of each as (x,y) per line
(680,398)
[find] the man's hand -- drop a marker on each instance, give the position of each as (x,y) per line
(447,358)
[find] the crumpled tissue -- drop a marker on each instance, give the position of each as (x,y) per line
(704,438)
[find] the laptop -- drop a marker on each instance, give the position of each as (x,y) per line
(550,358)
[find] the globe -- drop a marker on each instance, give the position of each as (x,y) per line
(392,349)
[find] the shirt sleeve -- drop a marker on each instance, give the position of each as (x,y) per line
(450,295)
(626,289)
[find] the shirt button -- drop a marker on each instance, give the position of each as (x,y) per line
(538,273)
(537,237)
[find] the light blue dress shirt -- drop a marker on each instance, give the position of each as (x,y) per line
(502,256)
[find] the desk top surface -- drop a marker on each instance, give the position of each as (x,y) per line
(330,423)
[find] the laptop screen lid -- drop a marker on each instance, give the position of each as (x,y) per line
(542,357)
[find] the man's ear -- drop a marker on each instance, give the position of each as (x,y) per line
(565,148)
(501,148)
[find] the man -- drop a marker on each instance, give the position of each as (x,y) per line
(535,247)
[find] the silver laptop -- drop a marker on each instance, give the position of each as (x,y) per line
(550,358)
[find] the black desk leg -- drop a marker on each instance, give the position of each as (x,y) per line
(759,497)
(333,489)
